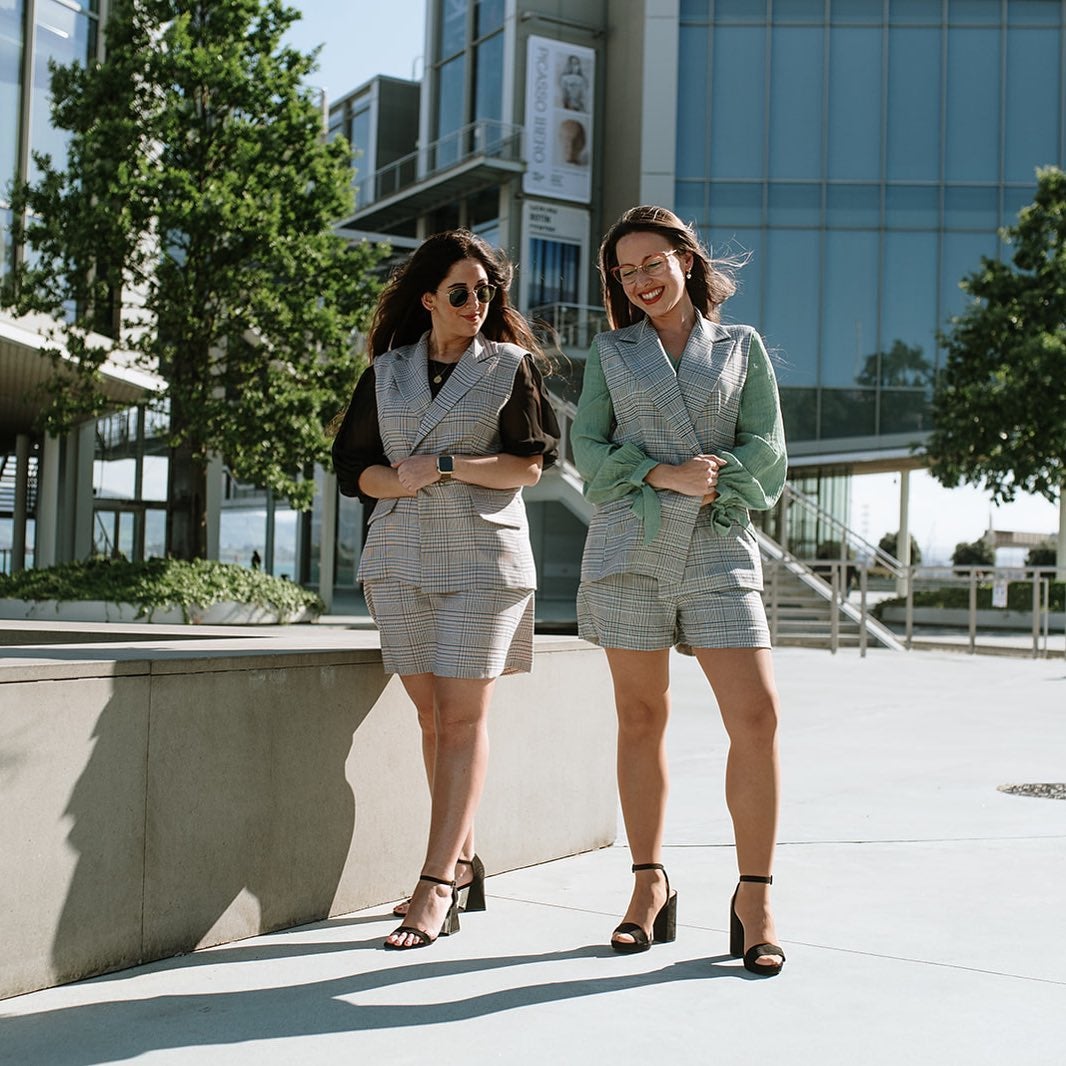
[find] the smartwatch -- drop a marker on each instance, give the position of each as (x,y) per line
(445,467)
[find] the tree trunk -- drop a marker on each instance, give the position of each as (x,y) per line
(186,505)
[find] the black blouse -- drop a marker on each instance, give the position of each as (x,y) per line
(528,425)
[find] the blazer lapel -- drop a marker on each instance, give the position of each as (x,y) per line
(476,360)
(647,360)
(702,364)
(412,379)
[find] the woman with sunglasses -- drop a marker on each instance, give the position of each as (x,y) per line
(445,426)
(678,435)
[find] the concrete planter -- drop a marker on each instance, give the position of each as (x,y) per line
(172,795)
(227,613)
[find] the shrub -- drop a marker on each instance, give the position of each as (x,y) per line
(160,583)
(977,553)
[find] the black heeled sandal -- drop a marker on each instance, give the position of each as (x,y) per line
(736,938)
(663,929)
(424,939)
(472,894)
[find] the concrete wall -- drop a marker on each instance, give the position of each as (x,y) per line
(161,797)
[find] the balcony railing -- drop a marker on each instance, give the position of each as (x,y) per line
(485,139)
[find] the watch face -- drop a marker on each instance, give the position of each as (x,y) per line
(445,464)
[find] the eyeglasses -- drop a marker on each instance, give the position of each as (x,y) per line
(459,295)
(652,267)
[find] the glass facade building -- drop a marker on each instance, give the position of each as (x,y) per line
(862,154)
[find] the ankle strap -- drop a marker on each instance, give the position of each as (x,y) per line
(648,866)
(757,880)
(464,862)
(437,881)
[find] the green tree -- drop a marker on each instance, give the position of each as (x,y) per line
(890,541)
(1044,554)
(191,234)
(999,409)
(976,553)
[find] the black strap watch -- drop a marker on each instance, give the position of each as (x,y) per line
(445,467)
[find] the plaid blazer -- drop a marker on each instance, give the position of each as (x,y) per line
(451,535)
(671,417)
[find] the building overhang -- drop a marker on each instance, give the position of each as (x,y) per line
(862,455)
(473,175)
(27,372)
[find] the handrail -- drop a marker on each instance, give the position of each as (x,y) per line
(486,138)
(889,562)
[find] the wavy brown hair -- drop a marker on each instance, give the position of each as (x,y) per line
(709,286)
(401,319)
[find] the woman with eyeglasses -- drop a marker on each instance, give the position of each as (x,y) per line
(446,425)
(678,435)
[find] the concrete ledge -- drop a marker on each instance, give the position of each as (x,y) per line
(163,796)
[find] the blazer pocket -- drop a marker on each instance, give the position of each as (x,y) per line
(499,507)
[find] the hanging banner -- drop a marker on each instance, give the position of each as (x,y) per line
(559,87)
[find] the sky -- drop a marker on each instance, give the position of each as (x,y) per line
(360,38)
(387,37)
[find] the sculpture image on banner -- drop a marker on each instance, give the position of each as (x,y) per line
(559,97)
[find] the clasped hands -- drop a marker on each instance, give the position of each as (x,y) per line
(697,476)
(416,471)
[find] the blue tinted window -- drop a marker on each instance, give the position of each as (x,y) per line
(452,26)
(488,16)
(10,90)
(971,207)
(913,105)
(912,206)
(738,102)
(554,272)
(795,205)
(849,305)
(736,204)
(690,202)
(854,11)
(1014,199)
(747,244)
(450,113)
(799,10)
(974,12)
(732,10)
(65,36)
(916,11)
(853,206)
(908,298)
(692,117)
(1034,96)
(973,105)
(362,157)
(962,256)
(796,102)
(488,79)
(1033,12)
(699,10)
(790,320)
(855,104)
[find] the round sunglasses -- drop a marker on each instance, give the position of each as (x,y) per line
(459,295)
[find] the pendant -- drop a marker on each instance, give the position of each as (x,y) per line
(438,379)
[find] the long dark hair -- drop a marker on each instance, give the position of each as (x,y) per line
(400,318)
(709,286)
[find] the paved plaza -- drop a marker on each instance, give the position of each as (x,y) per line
(921,908)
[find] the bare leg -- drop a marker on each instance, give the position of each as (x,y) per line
(642,700)
(743,683)
(458,777)
(420,688)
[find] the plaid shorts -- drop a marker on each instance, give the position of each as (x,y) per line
(635,613)
(470,633)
